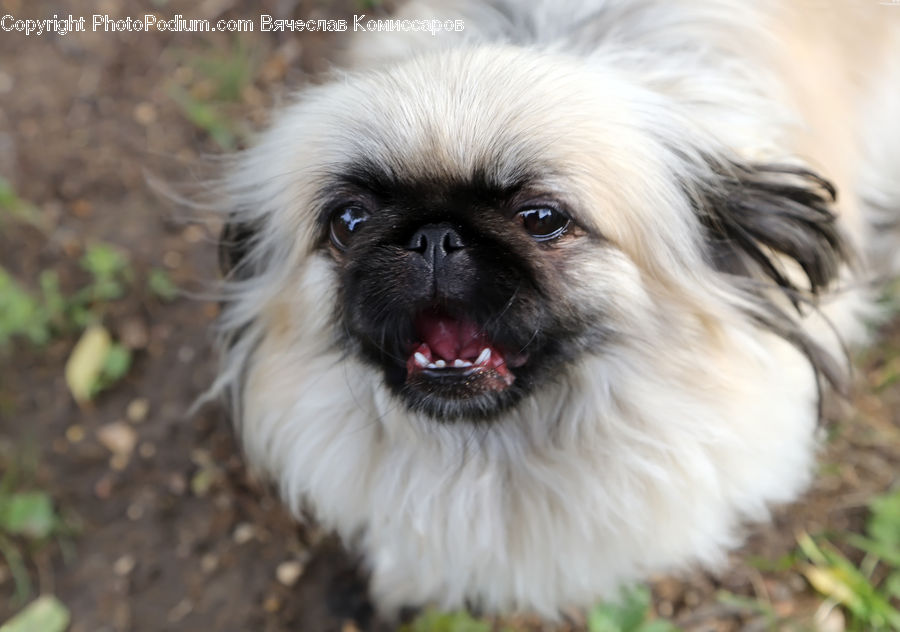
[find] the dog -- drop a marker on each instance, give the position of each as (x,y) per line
(533,310)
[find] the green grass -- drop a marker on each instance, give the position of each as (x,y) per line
(219,81)
(28,518)
(47,313)
(38,317)
(14,208)
(630,614)
(160,285)
(434,621)
(870,591)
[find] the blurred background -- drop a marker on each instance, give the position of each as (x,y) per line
(119,511)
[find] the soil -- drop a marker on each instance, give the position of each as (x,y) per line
(177,536)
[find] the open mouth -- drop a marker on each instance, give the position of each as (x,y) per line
(452,349)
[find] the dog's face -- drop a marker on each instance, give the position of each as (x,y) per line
(458,289)
(474,225)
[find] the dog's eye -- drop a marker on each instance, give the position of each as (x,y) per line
(544,223)
(344,223)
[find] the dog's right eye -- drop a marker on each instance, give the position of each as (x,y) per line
(344,223)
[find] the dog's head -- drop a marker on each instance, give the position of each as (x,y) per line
(471,226)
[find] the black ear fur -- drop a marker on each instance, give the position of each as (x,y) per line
(755,213)
(235,243)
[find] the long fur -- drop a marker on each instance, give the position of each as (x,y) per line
(724,276)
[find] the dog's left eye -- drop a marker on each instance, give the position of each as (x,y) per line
(344,223)
(544,223)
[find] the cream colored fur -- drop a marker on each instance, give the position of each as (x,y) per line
(649,456)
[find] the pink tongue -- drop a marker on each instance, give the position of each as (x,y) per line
(450,339)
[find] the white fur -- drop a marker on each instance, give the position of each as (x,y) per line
(644,458)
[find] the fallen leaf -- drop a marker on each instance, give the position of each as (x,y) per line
(87,361)
(29,514)
(47,614)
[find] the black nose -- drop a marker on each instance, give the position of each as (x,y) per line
(436,243)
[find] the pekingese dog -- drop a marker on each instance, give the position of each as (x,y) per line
(533,309)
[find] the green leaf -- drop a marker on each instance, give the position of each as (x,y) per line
(104,262)
(161,285)
(54,301)
(434,621)
(115,367)
(8,197)
(207,117)
(118,361)
(627,615)
(884,525)
(10,554)
(44,614)
(28,514)
(20,313)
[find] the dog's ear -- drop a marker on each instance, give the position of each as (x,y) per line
(756,218)
(756,215)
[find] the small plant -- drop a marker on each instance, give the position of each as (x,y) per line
(96,362)
(869,591)
(21,314)
(28,519)
(628,615)
(434,621)
(38,317)
(220,80)
(15,208)
(206,116)
(161,285)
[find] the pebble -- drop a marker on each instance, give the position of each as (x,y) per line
(194,234)
(147,450)
(145,113)
(118,462)
(82,208)
(289,572)
(272,604)
(209,563)
(135,512)
(186,354)
(118,437)
(124,565)
(243,533)
(103,488)
(177,484)
(172,259)
(137,410)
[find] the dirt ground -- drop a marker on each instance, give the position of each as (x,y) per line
(176,537)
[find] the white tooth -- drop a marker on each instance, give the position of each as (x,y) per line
(420,359)
(440,364)
(460,363)
(484,356)
(431,366)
